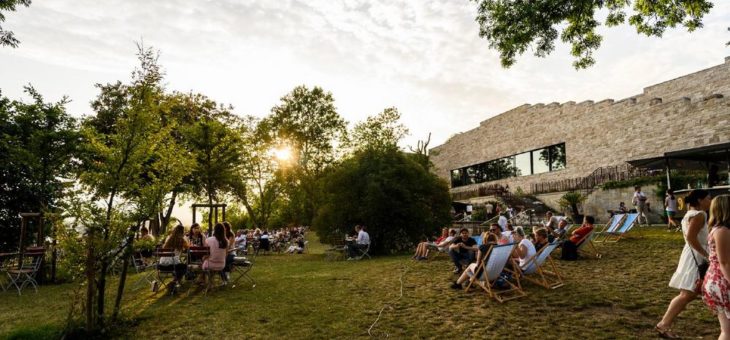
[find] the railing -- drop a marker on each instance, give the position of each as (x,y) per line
(487,190)
(601,175)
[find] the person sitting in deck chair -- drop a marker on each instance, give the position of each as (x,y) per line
(488,239)
(361,243)
(570,246)
(540,238)
(525,250)
(439,245)
(559,233)
(462,248)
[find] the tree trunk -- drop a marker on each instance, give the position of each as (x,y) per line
(123,276)
(166,218)
(210,215)
(90,280)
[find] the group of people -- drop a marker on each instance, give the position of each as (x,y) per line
(704,265)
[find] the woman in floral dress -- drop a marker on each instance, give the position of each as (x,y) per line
(716,293)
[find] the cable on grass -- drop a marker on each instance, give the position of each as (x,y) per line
(403,273)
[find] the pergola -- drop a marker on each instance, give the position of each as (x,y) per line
(213,211)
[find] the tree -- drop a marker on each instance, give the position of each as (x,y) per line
(511,27)
(122,146)
(394,196)
(7,38)
(571,200)
(382,131)
(38,142)
(308,122)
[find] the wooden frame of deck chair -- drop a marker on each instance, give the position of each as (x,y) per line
(588,239)
(534,268)
(626,226)
(613,224)
(496,259)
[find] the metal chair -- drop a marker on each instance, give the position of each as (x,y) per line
(164,272)
(25,274)
(141,267)
(240,268)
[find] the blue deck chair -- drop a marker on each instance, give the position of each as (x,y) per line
(488,272)
(585,245)
(613,224)
(536,269)
(626,226)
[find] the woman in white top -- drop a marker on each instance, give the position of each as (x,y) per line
(670,207)
(177,243)
(686,278)
(525,250)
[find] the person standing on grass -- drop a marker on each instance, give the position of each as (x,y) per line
(687,278)
(670,207)
(716,292)
(640,202)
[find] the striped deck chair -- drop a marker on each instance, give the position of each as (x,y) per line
(613,224)
(586,245)
(536,268)
(496,258)
(626,226)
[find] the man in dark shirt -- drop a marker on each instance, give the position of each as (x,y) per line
(463,248)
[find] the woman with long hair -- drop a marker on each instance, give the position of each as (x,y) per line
(716,292)
(177,243)
(195,236)
(218,245)
(687,278)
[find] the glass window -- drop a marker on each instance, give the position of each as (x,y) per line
(557,157)
(522,164)
(541,161)
(491,170)
(471,175)
(456,178)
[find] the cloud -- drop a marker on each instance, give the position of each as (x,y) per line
(424,57)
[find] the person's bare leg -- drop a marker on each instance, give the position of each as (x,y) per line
(678,304)
(724,326)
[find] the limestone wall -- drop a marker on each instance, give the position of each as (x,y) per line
(686,112)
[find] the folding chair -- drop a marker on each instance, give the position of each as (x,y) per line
(626,226)
(164,272)
(141,267)
(195,260)
(6,263)
(534,269)
(241,267)
(496,259)
(613,224)
(25,274)
(363,252)
(588,239)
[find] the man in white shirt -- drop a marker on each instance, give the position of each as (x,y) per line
(362,242)
(639,200)
(551,222)
(502,221)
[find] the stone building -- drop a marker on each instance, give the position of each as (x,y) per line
(533,144)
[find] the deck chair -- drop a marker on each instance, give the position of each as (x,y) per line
(241,267)
(613,224)
(626,225)
(536,268)
(490,271)
(586,245)
(24,275)
(141,267)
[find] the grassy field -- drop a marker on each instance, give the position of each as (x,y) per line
(621,295)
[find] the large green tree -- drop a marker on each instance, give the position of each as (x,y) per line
(513,27)
(393,195)
(38,142)
(7,38)
(381,131)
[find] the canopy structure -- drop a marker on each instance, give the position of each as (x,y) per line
(711,158)
(213,211)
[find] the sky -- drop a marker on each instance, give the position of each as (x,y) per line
(423,57)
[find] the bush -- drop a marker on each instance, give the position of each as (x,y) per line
(394,196)
(571,200)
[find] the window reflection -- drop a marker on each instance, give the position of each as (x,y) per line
(541,161)
(522,164)
(557,157)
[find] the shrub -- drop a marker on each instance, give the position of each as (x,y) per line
(571,200)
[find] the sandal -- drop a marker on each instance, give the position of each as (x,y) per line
(666,333)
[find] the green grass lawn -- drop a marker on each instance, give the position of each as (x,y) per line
(621,295)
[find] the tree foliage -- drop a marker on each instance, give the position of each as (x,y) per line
(398,200)
(382,131)
(511,27)
(7,38)
(38,141)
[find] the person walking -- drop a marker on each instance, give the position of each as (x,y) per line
(687,278)
(716,287)
(640,200)
(670,208)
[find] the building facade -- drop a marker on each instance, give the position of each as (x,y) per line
(532,144)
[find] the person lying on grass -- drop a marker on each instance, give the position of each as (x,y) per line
(488,240)
(462,249)
(440,244)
